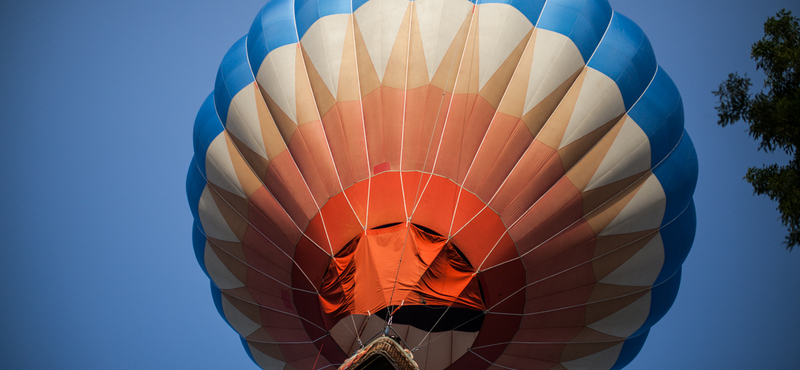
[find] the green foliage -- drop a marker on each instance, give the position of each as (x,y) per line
(773,115)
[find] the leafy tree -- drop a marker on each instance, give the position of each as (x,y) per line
(773,115)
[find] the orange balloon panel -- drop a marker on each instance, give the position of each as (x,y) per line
(365,276)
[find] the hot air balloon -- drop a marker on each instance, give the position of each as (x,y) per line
(492,184)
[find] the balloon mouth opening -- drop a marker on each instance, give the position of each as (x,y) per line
(436,318)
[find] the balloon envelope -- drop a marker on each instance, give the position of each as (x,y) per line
(508,183)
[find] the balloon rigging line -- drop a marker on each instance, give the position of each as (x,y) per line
(643,290)
(475,216)
(505,93)
(492,121)
(580,305)
(441,138)
(645,174)
(317,115)
(351,331)
(478,213)
(405,90)
(210,241)
(465,124)
(369,196)
(618,341)
(330,153)
(433,327)
(547,278)
(417,194)
(325,135)
(589,261)
(247,59)
(612,197)
(621,121)
(583,69)
(403,119)
(408,219)
(643,142)
(213,188)
(267,308)
(227,135)
(447,114)
(490,362)
(458,196)
(272,118)
(477,270)
(364,325)
(363,121)
(264,236)
(312,341)
(563,229)
(646,289)
(509,175)
(317,359)
(356,333)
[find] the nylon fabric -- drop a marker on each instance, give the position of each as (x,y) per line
(361,277)
(514,175)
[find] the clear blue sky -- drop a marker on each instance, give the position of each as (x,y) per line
(97,270)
